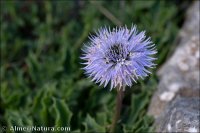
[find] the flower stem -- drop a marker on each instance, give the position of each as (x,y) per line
(120,95)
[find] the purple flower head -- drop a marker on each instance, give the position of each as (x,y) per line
(120,56)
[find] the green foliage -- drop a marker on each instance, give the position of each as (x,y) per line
(92,126)
(135,118)
(42,82)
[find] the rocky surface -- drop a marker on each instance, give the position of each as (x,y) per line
(181,116)
(179,77)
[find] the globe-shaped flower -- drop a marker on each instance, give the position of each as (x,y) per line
(119,56)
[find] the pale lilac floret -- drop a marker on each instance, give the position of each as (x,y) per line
(119,56)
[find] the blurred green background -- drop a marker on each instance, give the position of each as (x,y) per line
(41,80)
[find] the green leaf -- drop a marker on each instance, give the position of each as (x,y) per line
(62,113)
(91,125)
(18,118)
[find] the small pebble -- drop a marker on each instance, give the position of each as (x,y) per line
(167,96)
(183,66)
(174,87)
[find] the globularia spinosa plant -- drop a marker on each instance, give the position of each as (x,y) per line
(120,57)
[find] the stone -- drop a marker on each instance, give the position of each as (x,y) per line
(167,96)
(181,116)
(179,76)
(175,104)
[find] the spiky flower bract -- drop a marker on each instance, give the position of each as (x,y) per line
(119,56)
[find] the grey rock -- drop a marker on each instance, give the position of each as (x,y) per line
(179,78)
(181,116)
